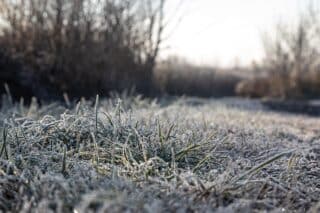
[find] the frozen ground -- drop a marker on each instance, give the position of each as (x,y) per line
(178,155)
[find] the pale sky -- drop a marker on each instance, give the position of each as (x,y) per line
(224,31)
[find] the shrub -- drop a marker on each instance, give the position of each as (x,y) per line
(253,88)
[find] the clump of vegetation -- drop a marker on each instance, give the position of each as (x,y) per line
(80,47)
(139,155)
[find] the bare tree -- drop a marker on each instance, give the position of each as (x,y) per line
(292,55)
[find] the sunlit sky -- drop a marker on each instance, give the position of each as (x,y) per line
(226,32)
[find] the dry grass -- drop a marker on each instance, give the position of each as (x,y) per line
(157,156)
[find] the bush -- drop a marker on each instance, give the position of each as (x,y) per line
(84,47)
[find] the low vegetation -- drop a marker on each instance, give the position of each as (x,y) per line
(131,154)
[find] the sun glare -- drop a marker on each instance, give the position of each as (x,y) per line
(229,31)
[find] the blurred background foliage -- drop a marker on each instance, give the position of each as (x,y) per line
(85,47)
(81,47)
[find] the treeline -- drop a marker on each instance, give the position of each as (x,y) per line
(177,76)
(291,66)
(79,47)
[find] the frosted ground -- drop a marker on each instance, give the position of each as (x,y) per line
(178,155)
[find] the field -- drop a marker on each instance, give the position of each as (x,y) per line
(168,155)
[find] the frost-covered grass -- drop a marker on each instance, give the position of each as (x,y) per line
(179,155)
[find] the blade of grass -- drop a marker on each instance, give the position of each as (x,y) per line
(185,151)
(109,118)
(169,132)
(67,100)
(262,165)
(4,149)
(144,152)
(96,113)
(203,161)
(64,161)
(96,160)
(8,92)
(78,107)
